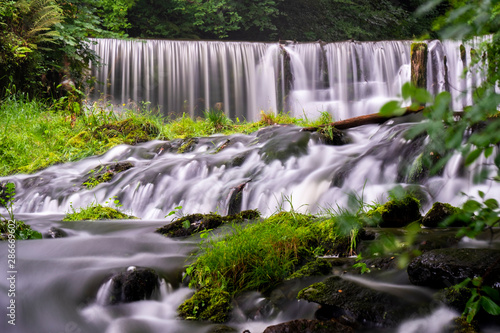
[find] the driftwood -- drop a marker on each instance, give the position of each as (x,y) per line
(374,118)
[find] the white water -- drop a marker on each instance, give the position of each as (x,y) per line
(345,79)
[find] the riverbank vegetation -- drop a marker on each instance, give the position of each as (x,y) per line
(37,134)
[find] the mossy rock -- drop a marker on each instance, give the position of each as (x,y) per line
(106,173)
(438,214)
(188,146)
(358,305)
(132,131)
(333,137)
(97,212)
(194,223)
(207,304)
(314,268)
(397,213)
(22,231)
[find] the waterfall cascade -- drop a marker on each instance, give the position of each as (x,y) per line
(345,79)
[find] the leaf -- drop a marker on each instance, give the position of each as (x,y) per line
(471,206)
(391,108)
(407,90)
(491,203)
(186,224)
(423,96)
(489,306)
(481,194)
(493,293)
(488,151)
(472,156)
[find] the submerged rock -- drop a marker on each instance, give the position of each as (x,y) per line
(355,304)
(135,284)
(446,267)
(235,200)
(329,135)
(55,232)
(309,326)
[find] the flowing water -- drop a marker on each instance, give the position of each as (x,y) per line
(60,282)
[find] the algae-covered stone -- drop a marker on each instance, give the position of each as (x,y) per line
(207,304)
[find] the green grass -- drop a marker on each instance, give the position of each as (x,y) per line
(36,134)
(95,212)
(258,256)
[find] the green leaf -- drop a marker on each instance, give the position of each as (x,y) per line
(481,194)
(488,151)
(471,206)
(472,156)
(493,293)
(186,224)
(407,90)
(490,306)
(423,96)
(491,203)
(391,108)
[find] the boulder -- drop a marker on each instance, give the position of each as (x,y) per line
(397,213)
(443,268)
(55,232)
(135,284)
(309,326)
(355,304)
(438,214)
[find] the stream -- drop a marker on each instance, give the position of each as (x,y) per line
(58,280)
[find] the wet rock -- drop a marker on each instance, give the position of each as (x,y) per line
(446,267)
(284,144)
(169,147)
(188,145)
(194,223)
(438,214)
(55,232)
(309,326)
(106,173)
(135,284)
(331,136)
(234,206)
(355,304)
(222,329)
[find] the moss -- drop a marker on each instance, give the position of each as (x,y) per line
(312,292)
(396,213)
(95,212)
(207,304)
(313,268)
(419,64)
(195,223)
(188,146)
(132,131)
(79,140)
(105,173)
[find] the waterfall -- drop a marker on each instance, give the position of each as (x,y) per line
(345,79)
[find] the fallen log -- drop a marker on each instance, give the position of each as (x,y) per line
(374,118)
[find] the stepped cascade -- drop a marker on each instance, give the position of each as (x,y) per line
(345,79)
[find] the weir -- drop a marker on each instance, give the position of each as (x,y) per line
(345,79)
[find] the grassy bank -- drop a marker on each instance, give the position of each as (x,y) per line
(36,134)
